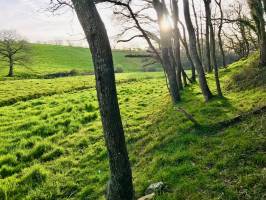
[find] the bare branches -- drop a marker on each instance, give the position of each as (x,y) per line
(55,5)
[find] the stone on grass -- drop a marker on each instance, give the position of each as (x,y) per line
(148,197)
(155,188)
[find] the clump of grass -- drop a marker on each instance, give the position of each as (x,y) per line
(8,159)
(6,171)
(38,150)
(34,176)
(89,118)
(52,155)
(89,108)
(44,130)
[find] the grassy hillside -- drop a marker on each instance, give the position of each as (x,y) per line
(47,59)
(52,147)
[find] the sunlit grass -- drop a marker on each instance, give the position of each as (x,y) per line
(52,147)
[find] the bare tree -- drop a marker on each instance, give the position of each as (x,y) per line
(13,50)
(193,48)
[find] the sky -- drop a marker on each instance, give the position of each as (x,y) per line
(31,20)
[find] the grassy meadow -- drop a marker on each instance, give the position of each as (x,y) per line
(52,145)
(49,59)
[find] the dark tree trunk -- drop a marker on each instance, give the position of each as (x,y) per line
(175,12)
(167,52)
(208,21)
(11,67)
(193,49)
(120,186)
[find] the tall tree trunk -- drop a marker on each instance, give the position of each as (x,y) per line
(175,13)
(198,31)
(220,28)
(257,12)
(184,42)
(11,67)
(120,186)
(167,52)
(214,61)
(208,21)
(193,48)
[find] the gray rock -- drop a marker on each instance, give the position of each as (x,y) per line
(155,188)
(148,197)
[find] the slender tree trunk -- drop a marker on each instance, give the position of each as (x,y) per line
(198,31)
(120,186)
(11,67)
(184,42)
(214,61)
(219,3)
(175,12)
(193,48)
(167,52)
(208,21)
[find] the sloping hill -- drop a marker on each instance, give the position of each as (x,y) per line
(53,148)
(47,59)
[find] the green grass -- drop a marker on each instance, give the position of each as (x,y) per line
(49,59)
(52,147)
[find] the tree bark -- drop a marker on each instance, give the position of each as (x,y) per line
(220,28)
(257,12)
(184,42)
(207,41)
(175,13)
(193,48)
(167,52)
(11,67)
(198,31)
(120,186)
(214,61)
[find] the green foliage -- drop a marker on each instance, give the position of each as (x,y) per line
(52,146)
